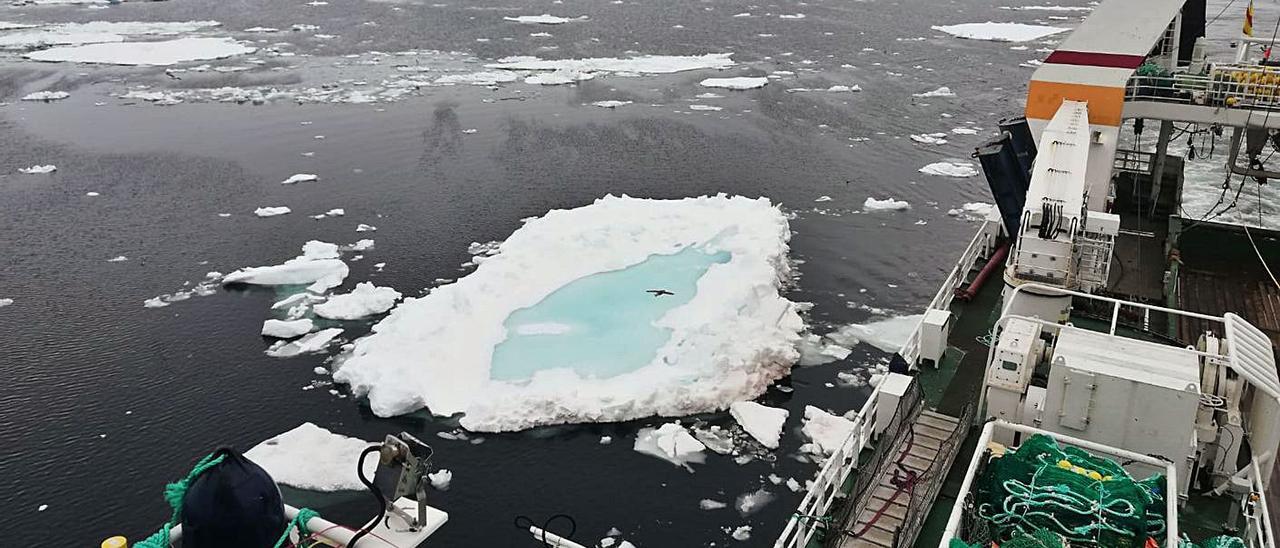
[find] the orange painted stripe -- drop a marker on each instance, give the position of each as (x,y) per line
(1106,104)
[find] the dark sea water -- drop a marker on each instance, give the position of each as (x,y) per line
(105,400)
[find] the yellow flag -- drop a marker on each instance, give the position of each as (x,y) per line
(1248,19)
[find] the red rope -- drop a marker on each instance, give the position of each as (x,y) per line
(908,483)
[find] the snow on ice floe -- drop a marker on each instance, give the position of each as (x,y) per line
(644,64)
(610,104)
(888,334)
(742,533)
(832,89)
(284,329)
(825,430)
(39,169)
(161,53)
(272,211)
(672,443)
(950,169)
(314,342)
(300,178)
(930,138)
(964,131)
(943,91)
(482,78)
(887,204)
(5,302)
(736,83)
(559,77)
(365,300)
(318,265)
(762,422)
(751,502)
(709,504)
(46,96)
(440,479)
(705,108)
(312,458)
(75,34)
(727,343)
(816,351)
(1000,32)
(972,210)
(544,19)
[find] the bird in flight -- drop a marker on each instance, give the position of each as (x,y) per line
(659,292)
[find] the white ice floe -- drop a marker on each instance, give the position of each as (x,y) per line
(118,259)
(887,204)
(825,430)
(1047,8)
(282,329)
(888,334)
(733,338)
(672,443)
(742,533)
(440,479)
(705,108)
(161,53)
(46,96)
(544,19)
(272,211)
(559,77)
(610,104)
(39,169)
(930,138)
(736,83)
(972,210)
(482,78)
(708,504)
(791,16)
(708,95)
(762,422)
(823,198)
(314,342)
(75,34)
(1000,32)
(540,35)
(5,302)
(300,178)
(361,227)
(362,245)
(645,64)
(313,267)
(749,503)
(365,300)
(312,458)
(950,169)
(816,351)
(964,131)
(943,91)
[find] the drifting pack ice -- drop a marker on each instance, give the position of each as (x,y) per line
(618,310)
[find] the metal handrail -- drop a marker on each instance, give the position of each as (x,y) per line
(1226,86)
(981,243)
(1268,538)
(903,415)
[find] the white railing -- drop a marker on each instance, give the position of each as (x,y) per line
(829,482)
(1226,87)
(979,246)
(1261,535)
(980,455)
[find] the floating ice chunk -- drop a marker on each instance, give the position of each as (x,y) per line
(888,334)
(558,77)
(316,249)
(708,95)
(606,440)
(671,442)
(823,198)
(736,83)
(711,108)
(298,271)
(271,211)
(762,422)
(313,342)
(365,228)
(540,35)
(791,16)
(842,89)
(825,430)
(5,302)
(155,302)
(365,300)
(743,14)
(728,343)
(793,485)
(950,169)
(610,104)
(118,259)
(1048,8)
(312,458)
(163,53)
(887,204)
(964,131)
(46,96)
(1000,32)
(708,504)
(645,64)
(814,351)
(281,329)
(300,178)
(943,91)
(544,19)
(930,138)
(91,194)
(972,210)
(483,78)
(262,29)
(38,169)
(743,533)
(440,479)
(362,245)
(749,503)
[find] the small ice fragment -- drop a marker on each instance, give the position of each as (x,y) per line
(365,300)
(943,91)
(736,83)
(544,19)
(440,479)
(469,131)
(825,430)
(5,302)
(708,504)
(606,440)
(610,104)
(36,169)
(46,96)
(300,178)
(320,371)
(742,533)
(271,211)
(964,131)
(704,107)
(887,204)
(118,259)
(671,442)
(762,422)
(950,169)
(748,503)
(336,212)
(365,228)
(793,485)
(930,138)
(823,198)
(91,194)
(42,508)
(155,302)
(791,16)
(286,329)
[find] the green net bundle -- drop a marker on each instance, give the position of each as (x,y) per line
(1038,539)
(1085,499)
(1223,541)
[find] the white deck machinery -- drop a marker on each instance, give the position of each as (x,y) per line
(1211,413)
